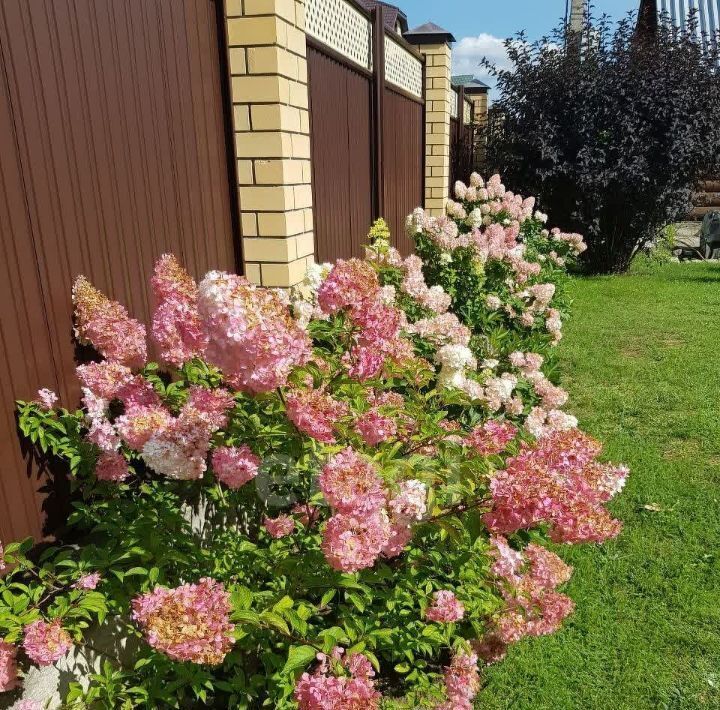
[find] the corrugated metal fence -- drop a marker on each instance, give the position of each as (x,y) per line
(113,137)
(367,127)
(462,139)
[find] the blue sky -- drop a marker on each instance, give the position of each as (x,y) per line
(481,25)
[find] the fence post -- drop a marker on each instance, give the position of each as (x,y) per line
(268,67)
(378,112)
(434,43)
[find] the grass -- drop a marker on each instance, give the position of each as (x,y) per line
(641,359)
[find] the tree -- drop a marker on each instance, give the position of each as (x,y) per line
(613,137)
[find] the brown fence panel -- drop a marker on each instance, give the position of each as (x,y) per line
(25,353)
(462,153)
(120,125)
(340,117)
(404,125)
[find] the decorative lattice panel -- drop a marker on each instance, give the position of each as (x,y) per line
(454,101)
(341,27)
(467,113)
(402,68)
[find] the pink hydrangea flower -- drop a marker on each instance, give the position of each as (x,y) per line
(398,539)
(351,483)
(462,682)
(445,608)
(176,327)
(179,450)
(187,623)
(103,434)
(282,526)
(46,398)
(137,392)
(315,413)
(112,467)
(88,581)
(106,325)
(444,329)
(211,404)
(252,336)
(349,284)
(492,437)
(375,428)
(410,503)
(235,465)
(8,667)
(529,583)
(322,690)
(104,379)
(354,542)
(556,481)
(139,424)
(45,642)
(435,298)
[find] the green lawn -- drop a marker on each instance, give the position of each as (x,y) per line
(641,361)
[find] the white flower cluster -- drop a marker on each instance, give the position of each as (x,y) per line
(304,295)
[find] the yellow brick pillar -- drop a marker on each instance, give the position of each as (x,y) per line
(268,67)
(479,101)
(433,42)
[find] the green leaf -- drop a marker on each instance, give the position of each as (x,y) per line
(299,657)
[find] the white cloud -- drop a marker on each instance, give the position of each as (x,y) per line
(469,52)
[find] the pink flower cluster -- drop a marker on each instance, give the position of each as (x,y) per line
(178,447)
(282,526)
(315,413)
(234,465)
(380,422)
(528,584)
(361,529)
(557,481)
(45,642)
(176,327)
(252,337)
(8,667)
(462,682)
(351,484)
(492,437)
(374,428)
(88,582)
(433,298)
(46,398)
(106,325)
(445,608)
(324,689)
(444,329)
(112,467)
(352,286)
(187,623)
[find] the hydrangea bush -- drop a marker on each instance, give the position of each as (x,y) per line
(339,497)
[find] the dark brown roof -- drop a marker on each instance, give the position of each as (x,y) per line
(428,33)
(391,14)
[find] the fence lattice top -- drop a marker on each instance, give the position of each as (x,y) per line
(402,68)
(342,27)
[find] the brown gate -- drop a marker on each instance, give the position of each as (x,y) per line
(113,132)
(366,131)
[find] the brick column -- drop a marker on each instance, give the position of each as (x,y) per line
(480,106)
(433,42)
(268,65)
